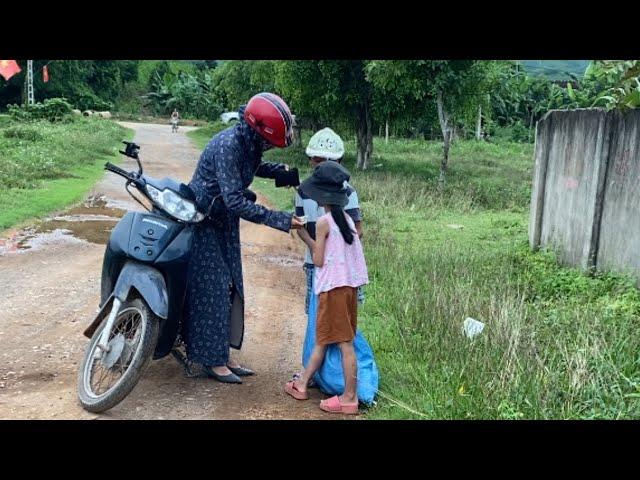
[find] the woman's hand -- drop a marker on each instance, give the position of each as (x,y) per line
(297,223)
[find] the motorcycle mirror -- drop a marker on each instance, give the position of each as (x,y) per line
(132,151)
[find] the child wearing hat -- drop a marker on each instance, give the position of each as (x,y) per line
(324,145)
(340,269)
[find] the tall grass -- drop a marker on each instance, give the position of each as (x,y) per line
(557,344)
(46,166)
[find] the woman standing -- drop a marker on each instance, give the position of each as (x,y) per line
(214,311)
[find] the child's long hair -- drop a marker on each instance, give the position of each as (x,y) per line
(338,216)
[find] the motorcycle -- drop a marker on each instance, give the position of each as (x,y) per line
(174,125)
(144,278)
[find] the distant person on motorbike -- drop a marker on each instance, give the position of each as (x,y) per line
(214,307)
(175,118)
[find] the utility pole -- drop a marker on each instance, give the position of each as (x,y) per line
(30,96)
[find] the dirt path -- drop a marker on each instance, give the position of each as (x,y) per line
(50,289)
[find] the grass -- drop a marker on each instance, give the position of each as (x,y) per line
(557,344)
(201,136)
(45,167)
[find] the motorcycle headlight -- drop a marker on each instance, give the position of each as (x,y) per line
(174,204)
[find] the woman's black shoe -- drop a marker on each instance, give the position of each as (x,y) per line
(231,378)
(241,371)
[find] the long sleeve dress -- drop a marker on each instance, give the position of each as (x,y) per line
(214,306)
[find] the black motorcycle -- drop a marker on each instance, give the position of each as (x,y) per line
(144,280)
(144,275)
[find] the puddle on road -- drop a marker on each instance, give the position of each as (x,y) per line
(96,208)
(91,222)
(93,231)
(32,239)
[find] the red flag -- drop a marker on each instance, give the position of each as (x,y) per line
(45,74)
(8,68)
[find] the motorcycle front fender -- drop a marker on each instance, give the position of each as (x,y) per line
(149,283)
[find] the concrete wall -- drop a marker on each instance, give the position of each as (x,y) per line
(620,227)
(585,199)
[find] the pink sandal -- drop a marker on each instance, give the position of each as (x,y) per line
(333,405)
(291,389)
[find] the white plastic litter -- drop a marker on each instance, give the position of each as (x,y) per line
(472,327)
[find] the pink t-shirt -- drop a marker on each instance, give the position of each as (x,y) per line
(344,264)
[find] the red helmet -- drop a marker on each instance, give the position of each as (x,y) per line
(270,116)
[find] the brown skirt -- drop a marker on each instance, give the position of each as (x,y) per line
(337,317)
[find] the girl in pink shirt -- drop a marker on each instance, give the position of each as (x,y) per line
(341,269)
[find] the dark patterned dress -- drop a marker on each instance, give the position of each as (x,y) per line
(214,304)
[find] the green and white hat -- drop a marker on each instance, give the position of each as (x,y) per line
(325,144)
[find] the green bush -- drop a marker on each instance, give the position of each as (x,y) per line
(90,101)
(218,126)
(55,109)
(52,109)
(130,99)
(513,133)
(19,113)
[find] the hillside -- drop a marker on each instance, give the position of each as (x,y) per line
(555,69)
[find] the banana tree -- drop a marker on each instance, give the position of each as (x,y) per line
(621,80)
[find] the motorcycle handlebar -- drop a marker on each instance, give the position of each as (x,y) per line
(115,169)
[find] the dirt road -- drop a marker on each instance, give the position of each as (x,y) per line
(50,289)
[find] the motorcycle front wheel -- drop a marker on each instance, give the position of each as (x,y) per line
(106,378)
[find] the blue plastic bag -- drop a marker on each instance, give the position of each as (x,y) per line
(330,377)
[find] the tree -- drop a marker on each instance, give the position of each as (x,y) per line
(456,87)
(236,81)
(385,111)
(331,91)
(192,95)
(205,64)
(522,99)
(87,84)
(519,100)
